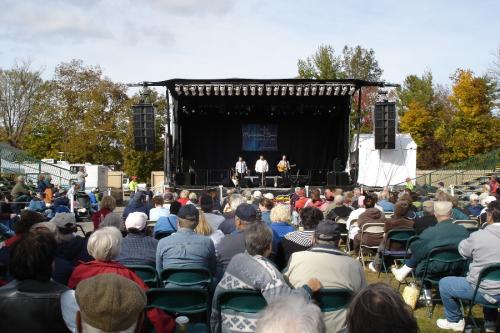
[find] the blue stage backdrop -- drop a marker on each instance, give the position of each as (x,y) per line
(259,137)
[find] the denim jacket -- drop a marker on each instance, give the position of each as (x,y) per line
(186,248)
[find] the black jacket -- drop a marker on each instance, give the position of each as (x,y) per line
(31,306)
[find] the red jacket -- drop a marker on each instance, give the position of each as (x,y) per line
(183,201)
(99,216)
(162,322)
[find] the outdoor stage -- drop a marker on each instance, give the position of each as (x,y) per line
(216,121)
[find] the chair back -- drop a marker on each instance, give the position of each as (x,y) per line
(447,255)
(186,276)
(484,225)
(400,236)
(333,299)
(241,300)
(491,272)
(372,228)
(342,220)
(410,241)
(147,274)
(468,224)
(185,301)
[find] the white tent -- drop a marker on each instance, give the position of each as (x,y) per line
(385,167)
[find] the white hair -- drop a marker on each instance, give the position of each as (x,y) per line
(338,200)
(193,197)
(291,314)
(280,213)
(105,243)
(235,200)
(113,220)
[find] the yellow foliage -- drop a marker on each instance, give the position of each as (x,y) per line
(471,94)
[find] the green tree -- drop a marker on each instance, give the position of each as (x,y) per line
(322,65)
(416,89)
(360,63)
(20,94)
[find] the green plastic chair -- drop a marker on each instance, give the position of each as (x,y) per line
(400,236)
(240,300)
(492,273)
(446,255)
(330,299)
(148,274)
(186,276)
(182,301)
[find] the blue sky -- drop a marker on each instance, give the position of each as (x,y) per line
(160,39)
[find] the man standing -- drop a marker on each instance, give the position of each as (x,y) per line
(284,168)
(261,168)
(81,175)
(241,170)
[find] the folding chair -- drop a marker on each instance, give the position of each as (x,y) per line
(239,300)
(470,225)
(492,273)
(399,236)
(79,228)
(148,274)
(190,302)
(369,228)
(407,248)
(330,299)
(446,255)
(344,233)
(186,276)
(354,224)
(484,225)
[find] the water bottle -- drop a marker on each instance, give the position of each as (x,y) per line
(182,322)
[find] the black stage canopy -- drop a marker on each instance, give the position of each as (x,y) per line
(216,121)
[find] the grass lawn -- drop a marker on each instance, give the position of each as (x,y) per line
(426,324)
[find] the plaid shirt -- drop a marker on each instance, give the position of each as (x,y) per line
(138,249)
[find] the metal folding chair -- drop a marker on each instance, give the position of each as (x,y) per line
(398,236)
(148,274)
(186,276)
(239,300)
(470,225)
(333,299)
(369,228)
(354,224)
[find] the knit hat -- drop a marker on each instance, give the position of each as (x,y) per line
(65,221)
(442,208)
(246,212)
(110,302)
(327,230)
(136,220)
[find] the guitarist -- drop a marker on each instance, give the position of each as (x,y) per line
(284,169)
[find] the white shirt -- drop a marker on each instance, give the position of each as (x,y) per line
(241,167)
(157,212)
(261,166)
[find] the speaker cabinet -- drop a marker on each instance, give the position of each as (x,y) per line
(385,118)
(143,120)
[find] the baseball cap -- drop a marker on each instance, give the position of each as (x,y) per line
(257,194)
(65,221)
(136,220)
(327,230)
(188,212)
(110,302)
(269,195)
(246,212)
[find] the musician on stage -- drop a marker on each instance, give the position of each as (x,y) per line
(284,169)
(241,170)
(261,168)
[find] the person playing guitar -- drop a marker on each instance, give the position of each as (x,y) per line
(284,168)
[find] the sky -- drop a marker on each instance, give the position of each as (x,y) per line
(150,40)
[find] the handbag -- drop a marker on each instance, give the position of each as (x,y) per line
(410,295)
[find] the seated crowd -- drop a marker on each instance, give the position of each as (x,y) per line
(290,254)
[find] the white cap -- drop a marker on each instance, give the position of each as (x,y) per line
(257,194)
(136,220)
(269,196)
(474,197)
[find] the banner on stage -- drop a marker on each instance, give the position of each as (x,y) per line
(259,137)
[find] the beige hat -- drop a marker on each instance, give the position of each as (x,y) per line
(136,220)
(443,208)
(110,302)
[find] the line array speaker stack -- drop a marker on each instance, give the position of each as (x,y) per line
(144,127)
(385,125)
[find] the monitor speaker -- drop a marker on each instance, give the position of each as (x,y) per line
(385,118)
(144,127)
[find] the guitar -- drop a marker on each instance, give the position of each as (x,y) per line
(283,168)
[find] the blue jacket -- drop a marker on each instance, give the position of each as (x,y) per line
(166,224)
(136,204)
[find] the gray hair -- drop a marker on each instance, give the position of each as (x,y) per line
(291,314)
(258,238)
(113,220)
(235,200)
(338,200)
(105,243)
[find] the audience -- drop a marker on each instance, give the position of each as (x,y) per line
(185,247)
(159,210)
(482,249)
(107,205)
(183,197)
(137,248)
(205,229)
(113,220)
(166,225)
(380,309)
(280,218)
(315,200)
(291,314)
(137,204)
(265,207)
(207,206)
(251,270)
(228,226)
(370,215)
(474,208)
(232,244)
(110,303)
(331,266)
(30,303)
(384,202)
